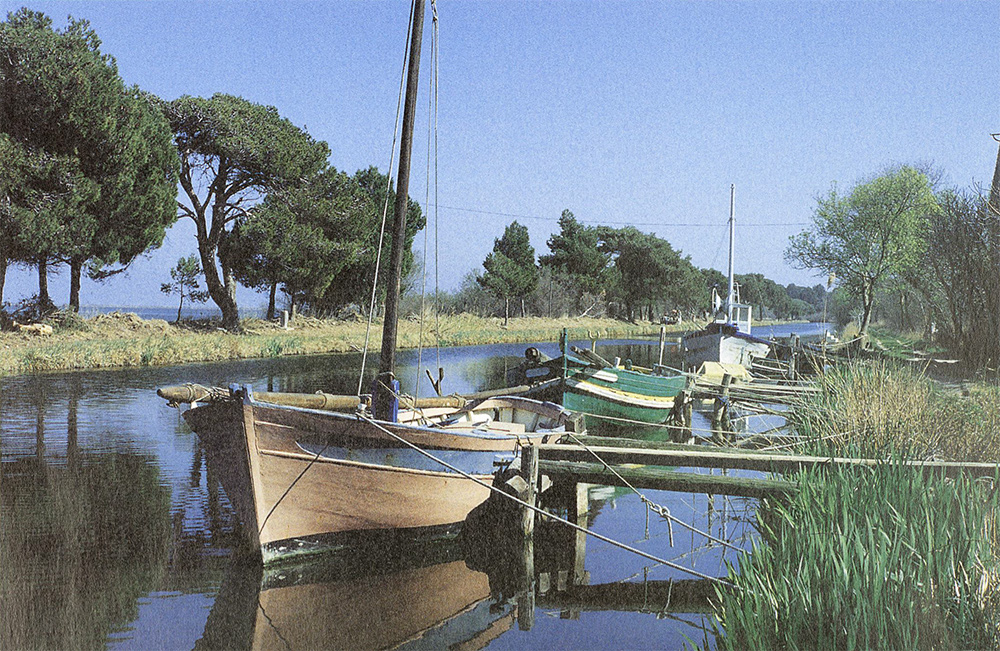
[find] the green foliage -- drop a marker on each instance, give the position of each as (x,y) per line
(648,270)
(301,238)
(511,271)
(814,296)
(232,153)
(372,195)
(770,298)
(185,282)
(878,406)
(90,170)
(880,558)
(874,233)
(576,255)
(962,273)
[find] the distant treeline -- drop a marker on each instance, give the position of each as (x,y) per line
(92,169)
(617,272)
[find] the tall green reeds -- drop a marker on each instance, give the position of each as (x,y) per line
(878,558)
(877,406)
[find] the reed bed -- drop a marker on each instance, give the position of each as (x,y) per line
(878,558)
(876,406)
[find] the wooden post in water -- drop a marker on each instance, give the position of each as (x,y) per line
(680,415)
(663,342)
(720,415)
(580,515)
(526,597)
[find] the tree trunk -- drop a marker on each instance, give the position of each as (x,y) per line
(271,301)
(180,306)
(867,303)
(44,301)
(230,280)
(220,295)
(75,271)
(522,307)
(3,276)
(506,310)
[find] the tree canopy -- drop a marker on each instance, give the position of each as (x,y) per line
(869,235)
(575,254)
(511,271)
(232,153)
(648,271)
(91,174)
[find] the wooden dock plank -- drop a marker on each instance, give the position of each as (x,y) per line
(658,478)
(704,457)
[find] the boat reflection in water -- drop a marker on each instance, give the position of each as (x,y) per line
(370,599)
(456,594)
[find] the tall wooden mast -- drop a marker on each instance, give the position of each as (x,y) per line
(387,361)
(731,296)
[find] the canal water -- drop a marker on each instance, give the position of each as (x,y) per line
(115,534)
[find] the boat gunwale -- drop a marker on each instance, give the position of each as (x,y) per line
(318,458)
(481,434)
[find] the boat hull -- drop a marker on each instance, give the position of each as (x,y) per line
(611,392)
(724,348)
(647,399)
(294,495)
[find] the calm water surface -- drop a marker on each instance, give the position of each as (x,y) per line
(115,534)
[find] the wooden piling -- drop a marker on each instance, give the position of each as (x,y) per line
(526,597)
(663,342)
(529,472)
(721,426)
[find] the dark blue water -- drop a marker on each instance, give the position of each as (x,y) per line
(114,533)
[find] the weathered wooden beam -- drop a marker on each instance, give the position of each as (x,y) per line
(705,457)
(667,480)
(618,442)
(187,393)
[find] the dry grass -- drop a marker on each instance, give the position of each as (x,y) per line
(881,405)
(119,340)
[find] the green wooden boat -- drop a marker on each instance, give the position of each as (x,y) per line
(589,384)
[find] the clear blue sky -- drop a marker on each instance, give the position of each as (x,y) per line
(636,113)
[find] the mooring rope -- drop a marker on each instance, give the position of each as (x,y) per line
(659,509)
(544,513)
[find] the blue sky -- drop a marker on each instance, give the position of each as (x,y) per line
(636,113)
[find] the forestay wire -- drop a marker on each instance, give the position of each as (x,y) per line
(385,205)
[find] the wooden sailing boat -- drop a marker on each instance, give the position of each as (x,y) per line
(586,383)
(727,339)
(310,473)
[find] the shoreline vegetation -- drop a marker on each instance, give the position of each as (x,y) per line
(124,340)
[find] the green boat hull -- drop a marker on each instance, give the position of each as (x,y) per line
(620,394)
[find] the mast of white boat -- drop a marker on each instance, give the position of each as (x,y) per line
(731,296)
(386,387)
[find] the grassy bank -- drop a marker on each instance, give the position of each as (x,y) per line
(119,340)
